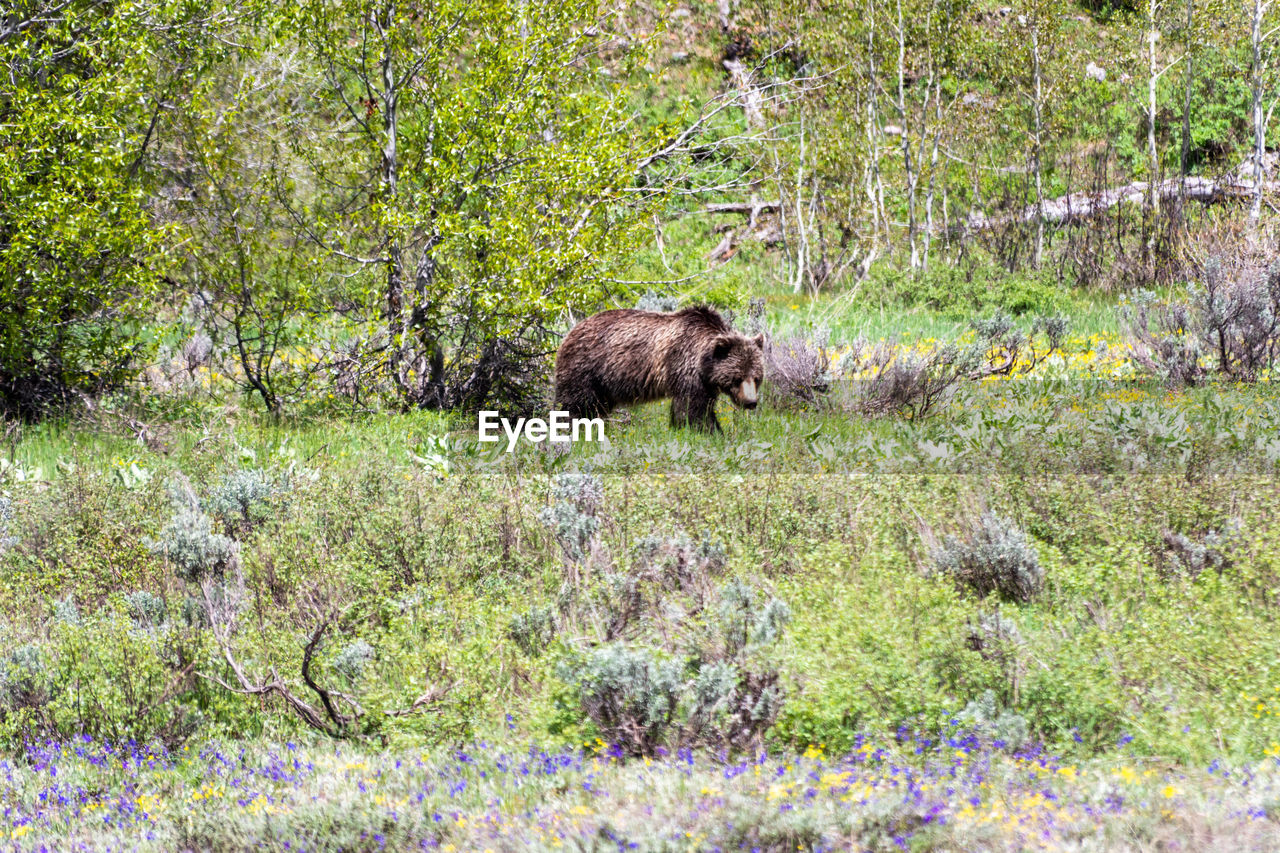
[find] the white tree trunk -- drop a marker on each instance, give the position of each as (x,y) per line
(933,171)
(908,166)
(1037,139)
(1153,162)
(391,173)
(1259,121)
(1184,165)
(802,239)
(875,186)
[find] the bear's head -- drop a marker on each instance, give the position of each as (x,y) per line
(737,367)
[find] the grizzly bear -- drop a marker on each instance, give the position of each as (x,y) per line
(630,356)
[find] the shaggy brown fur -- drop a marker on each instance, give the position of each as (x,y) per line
(629,356)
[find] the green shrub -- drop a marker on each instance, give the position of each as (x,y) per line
(1001,726)
(995,556)
(631,695)
(533,630)
(239,500)
(961,291)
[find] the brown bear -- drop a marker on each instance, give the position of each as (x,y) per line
(631,356)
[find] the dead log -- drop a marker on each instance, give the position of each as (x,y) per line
(1075,208)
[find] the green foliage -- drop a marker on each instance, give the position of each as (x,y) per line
(100,676)
(959,292)
(79,254)
(471,605)
(493,171)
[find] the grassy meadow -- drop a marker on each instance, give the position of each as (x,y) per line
(459,606)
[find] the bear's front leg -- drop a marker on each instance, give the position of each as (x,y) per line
(695,409)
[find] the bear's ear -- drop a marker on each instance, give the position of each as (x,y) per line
(759,340)
(722,346)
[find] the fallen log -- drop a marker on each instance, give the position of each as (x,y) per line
(1075,208)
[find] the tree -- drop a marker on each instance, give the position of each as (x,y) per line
(1033,44)
(242,259)
(1262,30)
(479,179)
(79,254)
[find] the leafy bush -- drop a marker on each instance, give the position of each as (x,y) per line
(80,253)
(963,290)
(996,556)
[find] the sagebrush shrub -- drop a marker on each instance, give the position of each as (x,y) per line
(145,609)
(1227,323)
(352,661)
(533,630)
(572,517)
(1189,556)
(196,551)
(65,611)
(992,635)
(798,370)
(631,695)
(995,556)
(240,499)
(1001,726)
(651,301)
(747,619)
(6,518)
(677,562)
(714,686)
(899,381)
(23,678)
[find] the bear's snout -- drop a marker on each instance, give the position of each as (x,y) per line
(747,396)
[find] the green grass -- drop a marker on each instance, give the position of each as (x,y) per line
(428,564)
